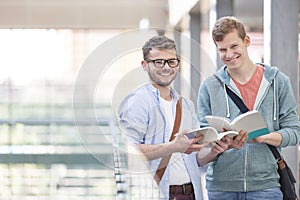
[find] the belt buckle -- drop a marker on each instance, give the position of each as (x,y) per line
(184,190)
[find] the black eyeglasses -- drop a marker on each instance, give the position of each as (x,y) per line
(160,63)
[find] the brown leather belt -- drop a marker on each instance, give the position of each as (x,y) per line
(186,188)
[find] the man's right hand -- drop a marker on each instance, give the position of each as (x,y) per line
(238,141)
(184,145)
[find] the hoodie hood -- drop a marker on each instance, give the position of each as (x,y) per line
(269,73)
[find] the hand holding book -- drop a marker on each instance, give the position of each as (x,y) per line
(210,134)
(251,122)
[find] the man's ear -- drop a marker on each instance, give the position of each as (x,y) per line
(247,40)
(144,65)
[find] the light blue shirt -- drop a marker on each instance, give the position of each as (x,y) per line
(144,122)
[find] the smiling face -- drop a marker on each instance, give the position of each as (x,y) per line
(233,50)
(164,76)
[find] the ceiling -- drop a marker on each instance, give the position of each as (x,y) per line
(107,14)
(103,14)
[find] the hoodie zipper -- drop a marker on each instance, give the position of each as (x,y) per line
(245,167)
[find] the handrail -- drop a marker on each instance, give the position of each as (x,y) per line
(48,122)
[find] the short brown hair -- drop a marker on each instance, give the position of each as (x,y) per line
(159,42)
(226,25)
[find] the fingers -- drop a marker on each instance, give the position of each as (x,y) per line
(218,147)
(189,145)
(198,139)
(222,144)
(240,139)
(185,145)
(228,140)
(195,147)
(194,139)
(244,135)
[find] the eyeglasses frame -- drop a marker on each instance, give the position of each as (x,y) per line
(165,61)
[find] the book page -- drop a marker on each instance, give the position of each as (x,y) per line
(231,134)
(248,121)
(219,122)
(251,121)
(210,134)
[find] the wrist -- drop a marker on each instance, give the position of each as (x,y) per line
(204,152)
(213,154)
(273,138)
(170,147)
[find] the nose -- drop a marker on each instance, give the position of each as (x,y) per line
(166,65)
(229,54)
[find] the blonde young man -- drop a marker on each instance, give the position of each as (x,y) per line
(247,170)
(147,117)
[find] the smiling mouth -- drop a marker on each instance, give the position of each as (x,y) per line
(165,74)
(232,60)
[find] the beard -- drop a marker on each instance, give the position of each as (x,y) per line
(161,81)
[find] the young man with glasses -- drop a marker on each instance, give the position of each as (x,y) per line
(147,117)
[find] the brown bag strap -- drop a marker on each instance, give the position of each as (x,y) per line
(165,160)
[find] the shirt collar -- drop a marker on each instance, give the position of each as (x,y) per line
(156,92)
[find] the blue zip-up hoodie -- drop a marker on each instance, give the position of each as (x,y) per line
(253,167)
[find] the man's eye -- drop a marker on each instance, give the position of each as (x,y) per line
(159,62)
(172,62)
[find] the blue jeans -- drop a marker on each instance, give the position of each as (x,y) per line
(271,194)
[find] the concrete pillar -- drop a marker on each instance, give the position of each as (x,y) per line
(223,8)
(195,55)
(177,38)
(281,49)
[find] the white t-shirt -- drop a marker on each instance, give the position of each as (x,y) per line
(178,171)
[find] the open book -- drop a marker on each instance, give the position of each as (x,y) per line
(210,134)
(251,121)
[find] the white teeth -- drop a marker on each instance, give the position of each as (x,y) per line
(165,74)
